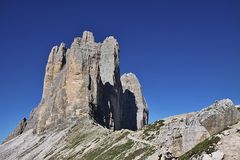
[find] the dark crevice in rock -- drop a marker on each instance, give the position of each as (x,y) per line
(145,117)
(130,111)
(63,59)
(89,82)
(104,112)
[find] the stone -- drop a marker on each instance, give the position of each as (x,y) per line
(218,155)
(218,116)
(181,133)
(135,106)
(17,131)
(206,157)
(226,133)
(230,144)
(167,156)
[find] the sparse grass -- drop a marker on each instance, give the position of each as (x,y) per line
(73,156)
(48,154)
(93,154)
(74,140)
(136,153)
(122,136)
(226,128)
(105,146)
(116,151)
(96,152)
(108,152)
(148,152)
(151,128)
(150,137)
(207,146)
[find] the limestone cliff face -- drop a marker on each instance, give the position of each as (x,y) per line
(83,82)
(181,133)
(133,102)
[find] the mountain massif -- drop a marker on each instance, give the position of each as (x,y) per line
(88,111)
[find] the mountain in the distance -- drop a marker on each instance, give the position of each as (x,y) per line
(89,112)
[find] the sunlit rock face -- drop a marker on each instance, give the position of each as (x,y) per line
(83,82)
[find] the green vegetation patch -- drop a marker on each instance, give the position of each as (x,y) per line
(99,153)
(96,152)
(148,152)
(74,140)
(116,151)
(207,146)
(71,156)
(122,136)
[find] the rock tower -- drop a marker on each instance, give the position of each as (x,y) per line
(83,83)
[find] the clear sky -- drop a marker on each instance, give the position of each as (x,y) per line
(185,53)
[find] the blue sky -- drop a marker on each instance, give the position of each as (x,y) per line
(185,53)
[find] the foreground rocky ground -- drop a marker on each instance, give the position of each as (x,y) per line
(210,134)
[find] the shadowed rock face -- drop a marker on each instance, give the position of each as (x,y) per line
(133,102)
(83,82)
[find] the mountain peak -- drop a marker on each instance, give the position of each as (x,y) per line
(83,82)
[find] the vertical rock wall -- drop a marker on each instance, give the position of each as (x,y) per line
(135,108)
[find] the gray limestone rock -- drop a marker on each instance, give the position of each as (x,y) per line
(218,116)
(18,130)
(180,134)
(134,105)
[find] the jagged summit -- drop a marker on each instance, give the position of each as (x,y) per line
(87,37)
(83,83)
